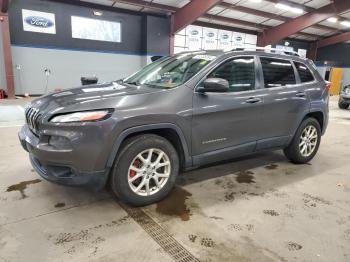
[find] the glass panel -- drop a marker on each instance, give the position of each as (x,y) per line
(94,29)
(239,72)
(304,73)
(277,72)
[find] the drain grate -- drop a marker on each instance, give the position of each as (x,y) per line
(167,242)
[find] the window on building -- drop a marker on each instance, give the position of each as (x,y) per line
(277,72)
(95,29)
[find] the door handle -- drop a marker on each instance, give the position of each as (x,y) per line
(300,94)
(253,100)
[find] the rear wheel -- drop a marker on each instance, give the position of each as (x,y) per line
(305,143)
(342,104)
(145,170)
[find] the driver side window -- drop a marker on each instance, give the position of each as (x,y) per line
(239,72)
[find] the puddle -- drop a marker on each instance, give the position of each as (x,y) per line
(22,186)
(59,205)
(271,166)
(245,177)
(174,204)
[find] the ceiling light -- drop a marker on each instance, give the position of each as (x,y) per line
(297,10)
(98,13)
(282,6)
(345,23)
(289,8)
(332,19)
(255,1)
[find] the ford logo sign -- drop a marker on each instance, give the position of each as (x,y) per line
(225,36)
(194,32)
(39,21)
(210,34)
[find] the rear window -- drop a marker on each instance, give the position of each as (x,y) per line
(277,72)
(304,73)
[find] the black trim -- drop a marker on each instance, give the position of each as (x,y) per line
(137,129)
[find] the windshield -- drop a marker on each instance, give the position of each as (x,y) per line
(170,72)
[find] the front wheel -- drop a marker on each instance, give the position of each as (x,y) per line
(305,143)
(145,170)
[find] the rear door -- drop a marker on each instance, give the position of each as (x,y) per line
(224,121)
(285,102)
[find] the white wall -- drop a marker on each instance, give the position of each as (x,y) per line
(67,67)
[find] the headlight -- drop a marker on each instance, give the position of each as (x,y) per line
(81,116)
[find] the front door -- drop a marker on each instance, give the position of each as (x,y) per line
(224,121)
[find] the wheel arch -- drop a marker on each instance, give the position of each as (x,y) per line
(318,115)
(169,131)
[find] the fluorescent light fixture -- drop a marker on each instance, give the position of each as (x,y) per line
(283,6)
(332,19)
(256,1)
(345,23)
(289,8)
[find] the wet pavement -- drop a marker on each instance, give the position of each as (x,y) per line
(256,208)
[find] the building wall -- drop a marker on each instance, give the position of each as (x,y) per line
(2,65)
(69,59)
(337,55)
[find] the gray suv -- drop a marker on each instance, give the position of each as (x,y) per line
(178,113)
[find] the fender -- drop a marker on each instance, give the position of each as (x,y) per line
(137,129)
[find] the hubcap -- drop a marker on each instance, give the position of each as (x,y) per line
(149,171)
(308,141)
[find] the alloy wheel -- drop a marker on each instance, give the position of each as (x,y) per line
(149,172)
(308,141)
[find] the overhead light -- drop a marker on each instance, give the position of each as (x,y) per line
(289,8)
(345,23)
(98,13)
(332,19)
(255,1)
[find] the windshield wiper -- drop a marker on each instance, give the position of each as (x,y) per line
(135,83)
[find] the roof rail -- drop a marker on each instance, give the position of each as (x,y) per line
(266,49)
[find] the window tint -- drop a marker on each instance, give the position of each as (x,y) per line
(239,72)
(277,72)
(304,73)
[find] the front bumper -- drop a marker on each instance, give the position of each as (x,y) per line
(58,166)
(345,97)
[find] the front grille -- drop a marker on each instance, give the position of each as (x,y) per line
(32,118)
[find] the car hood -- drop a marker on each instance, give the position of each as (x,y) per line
(107,95)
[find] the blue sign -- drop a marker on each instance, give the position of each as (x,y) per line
(38,21)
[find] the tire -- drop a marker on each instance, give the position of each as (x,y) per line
(294,152)
(134,155)
(342,104)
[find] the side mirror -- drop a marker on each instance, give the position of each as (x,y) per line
(218,85)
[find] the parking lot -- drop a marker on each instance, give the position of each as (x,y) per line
(256,208)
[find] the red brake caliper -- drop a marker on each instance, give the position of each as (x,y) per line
(135,164)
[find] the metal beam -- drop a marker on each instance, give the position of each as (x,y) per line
(190,12)
(4,6)
(6,43)
(298,24)
(258,27)
(256,12)
(334,40)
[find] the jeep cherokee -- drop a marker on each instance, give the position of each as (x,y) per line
(177,113)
